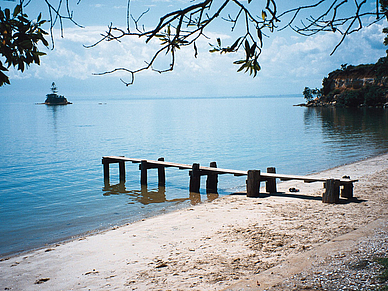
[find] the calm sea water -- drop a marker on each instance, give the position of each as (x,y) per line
(51,183)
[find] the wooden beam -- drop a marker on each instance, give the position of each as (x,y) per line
(143,172)
(195,179)
(270,185)
(122,172)
(253,183)
(105,164)
(347,191)
(331,195)
(161,173)
(212,180)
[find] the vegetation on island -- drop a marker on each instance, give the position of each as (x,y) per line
(352,86)
(250,22)
(54,99)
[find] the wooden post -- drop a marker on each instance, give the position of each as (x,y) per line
(106,171)
(347,191)
(253,183)
(331,195)
(122,172)
(212,180)
(270,185)
(143,172)
(161,174)
(195,179)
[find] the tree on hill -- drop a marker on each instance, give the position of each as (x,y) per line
(249,21)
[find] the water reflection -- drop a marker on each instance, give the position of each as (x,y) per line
(350,127)
(147,196)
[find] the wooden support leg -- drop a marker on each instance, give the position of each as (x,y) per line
(161,174)
(347,191)
(253,183)
(212,180)
(105,164)
(122,172)
(195,179)
(143,172)
(270,185)
(331,194)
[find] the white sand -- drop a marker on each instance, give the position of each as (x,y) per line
(210,246)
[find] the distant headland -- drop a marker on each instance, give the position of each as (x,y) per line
(352,86)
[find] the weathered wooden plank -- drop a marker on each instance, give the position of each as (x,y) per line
(253,183)
(106,173)
(161,174)
(143,172)
(122,172)
(331,195)
(347,191)
(195,179)
(161,164)
(212,180)
(270,185)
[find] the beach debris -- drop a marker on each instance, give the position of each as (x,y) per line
(293,189)
(161,264)
(91,272)
(42,280)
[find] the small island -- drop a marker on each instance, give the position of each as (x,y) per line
(55,99)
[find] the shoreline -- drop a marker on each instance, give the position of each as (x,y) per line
(209,246)
(148,216)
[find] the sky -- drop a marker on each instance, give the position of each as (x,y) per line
(289,61)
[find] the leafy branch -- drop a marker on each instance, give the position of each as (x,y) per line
(354,16)
(182,28)
(19,38)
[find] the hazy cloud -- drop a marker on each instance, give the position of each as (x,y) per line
(289,63)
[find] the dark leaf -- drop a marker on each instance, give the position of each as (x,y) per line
(234,45)
(195,50)
(260,36)
(17,10)
(7,13)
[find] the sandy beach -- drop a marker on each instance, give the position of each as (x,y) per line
(231,243)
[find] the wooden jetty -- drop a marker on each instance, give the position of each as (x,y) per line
(254,177)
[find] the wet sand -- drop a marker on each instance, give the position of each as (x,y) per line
(225,244)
